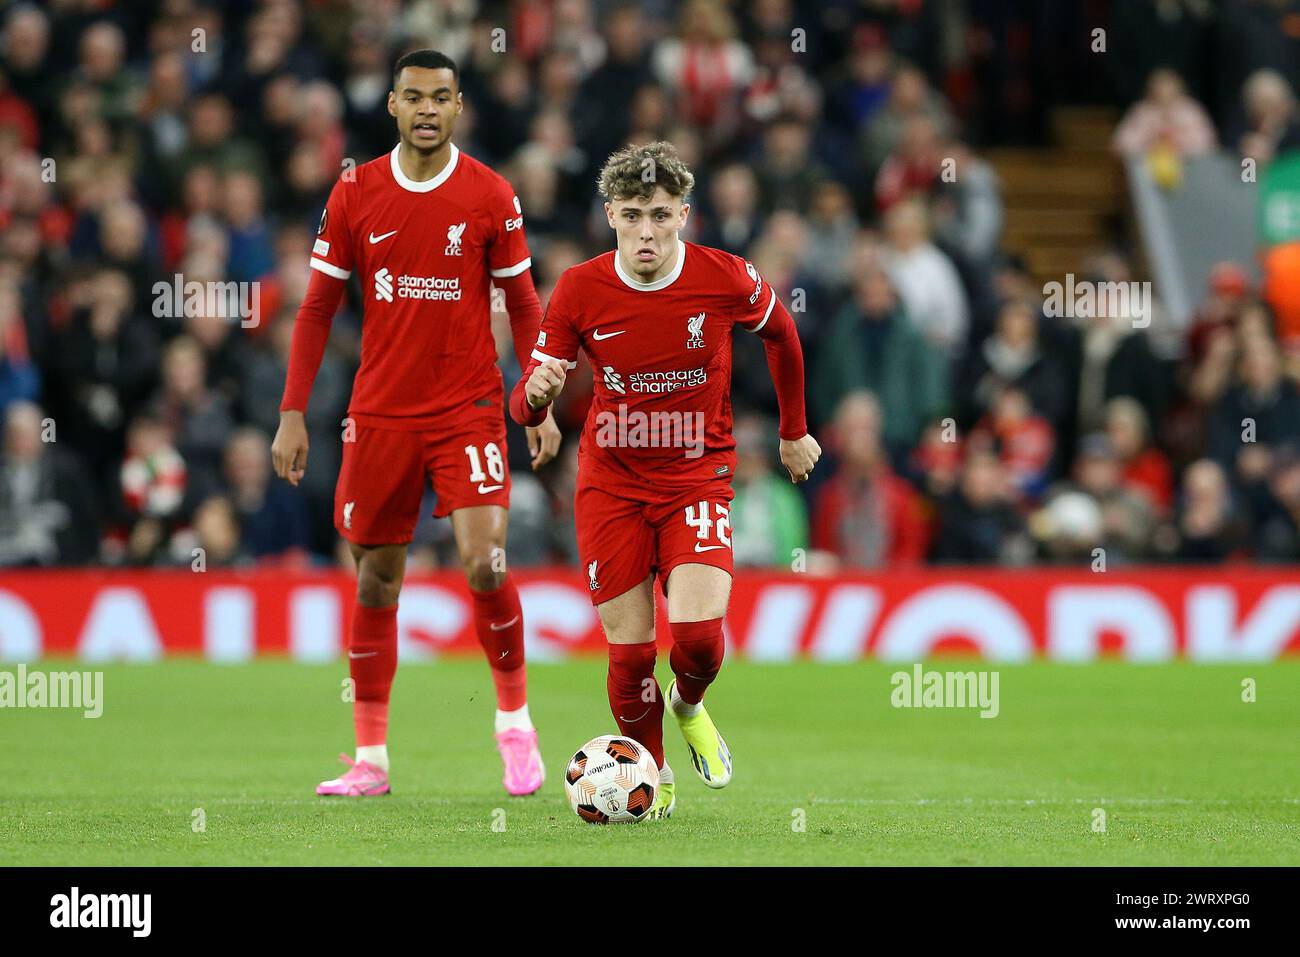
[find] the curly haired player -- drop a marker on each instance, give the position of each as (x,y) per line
(657,454)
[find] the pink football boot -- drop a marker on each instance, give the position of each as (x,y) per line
(523,761)
(362,779)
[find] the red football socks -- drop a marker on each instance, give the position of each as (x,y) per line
(697,652)
(635,698)
(499,623)
(372,662)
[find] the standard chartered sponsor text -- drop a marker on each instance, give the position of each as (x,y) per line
(428,287)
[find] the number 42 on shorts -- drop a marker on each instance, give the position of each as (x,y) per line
(701,518)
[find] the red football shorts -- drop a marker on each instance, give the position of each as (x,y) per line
(622,540)
(381,481)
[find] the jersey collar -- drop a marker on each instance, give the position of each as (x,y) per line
(660,283)
(422,186)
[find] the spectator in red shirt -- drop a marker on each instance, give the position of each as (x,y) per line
(1024,441)
(913,167)
(865,515)
(936,462)
(1145,468)
(1229,290)
(706,66)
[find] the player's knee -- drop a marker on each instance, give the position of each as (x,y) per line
(632,670)
(378,587)
(483,570)
(699,647)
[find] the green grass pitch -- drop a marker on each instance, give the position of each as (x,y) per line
(1186,772)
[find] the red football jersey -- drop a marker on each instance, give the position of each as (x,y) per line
(661,357)
(426,253)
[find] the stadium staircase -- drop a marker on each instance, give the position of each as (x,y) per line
(1064,200)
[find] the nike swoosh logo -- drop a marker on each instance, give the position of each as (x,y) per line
(707,548)
(609,335)
(503,625)
(379,239)
(635,720)
(364,654)
(484,489)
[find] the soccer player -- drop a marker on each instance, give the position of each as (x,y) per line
(655,319)
(428,230)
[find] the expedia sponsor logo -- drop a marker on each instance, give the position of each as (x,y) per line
(668,381)
(758,282)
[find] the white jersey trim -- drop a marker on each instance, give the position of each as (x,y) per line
(771,304)
(661,283)
(422,186)
(505,272)
(329,270)
(542,357)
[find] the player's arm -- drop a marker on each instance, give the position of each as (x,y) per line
(508,264)
(539,386)
(544,375)
(331,264)
(525,311)
(311,332)
(799,450)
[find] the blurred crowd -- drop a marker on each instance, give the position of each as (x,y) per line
(144,141)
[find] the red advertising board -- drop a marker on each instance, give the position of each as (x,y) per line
(1221,614)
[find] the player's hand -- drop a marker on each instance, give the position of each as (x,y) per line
(545,383)
(289,450)
(799,457)
(544,441)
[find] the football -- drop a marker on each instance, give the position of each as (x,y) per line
(611,780)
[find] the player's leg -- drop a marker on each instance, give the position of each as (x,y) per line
(372,663)
(697,602)
(377,501)
(467,464)
(498,621)
(694,545)
(634,694)
(616,544)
